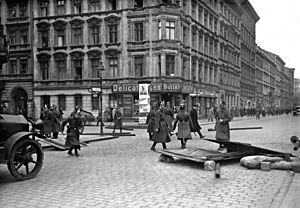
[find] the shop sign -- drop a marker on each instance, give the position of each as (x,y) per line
(144,102)
(155,87)
(124,88)
(172,87)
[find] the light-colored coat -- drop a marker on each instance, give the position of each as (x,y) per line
(222,128)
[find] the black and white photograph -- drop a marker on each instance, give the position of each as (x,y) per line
(149,104)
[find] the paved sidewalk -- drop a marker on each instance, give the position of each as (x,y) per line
(292,199)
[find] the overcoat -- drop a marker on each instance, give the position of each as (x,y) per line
(169,116)
(163,131)
(47,121)
(222,128)
(194,117)
(75,127)
(56,118)
(150,121)
(185,124)
(118,119)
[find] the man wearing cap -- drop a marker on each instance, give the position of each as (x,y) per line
(223,118)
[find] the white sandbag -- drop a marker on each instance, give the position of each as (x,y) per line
(253,162)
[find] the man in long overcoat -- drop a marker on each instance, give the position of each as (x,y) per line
(150,120)
(56,118)
(185,124)
(118,123)
(223,118)
(194,117)
(74,129)
(161,130)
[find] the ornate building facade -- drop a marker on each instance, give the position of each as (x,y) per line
(248,50)
(16,76)
(201,51)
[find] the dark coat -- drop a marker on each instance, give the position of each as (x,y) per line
(194,117)
(150,121)
(162,135)
(47,121)
(222,128)
(169,116)
(75,127)
(56,118)
(185,124)
(118,119)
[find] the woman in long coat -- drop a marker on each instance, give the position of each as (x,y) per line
(161,130)
(185,125)
(223,118)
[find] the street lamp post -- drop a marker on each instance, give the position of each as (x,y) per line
(100,68)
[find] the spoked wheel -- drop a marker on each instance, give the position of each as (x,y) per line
(26,159)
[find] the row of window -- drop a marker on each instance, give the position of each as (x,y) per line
(61,101)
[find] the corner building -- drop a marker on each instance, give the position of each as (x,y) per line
(171,44)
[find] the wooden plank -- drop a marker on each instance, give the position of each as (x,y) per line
(239,128)
(54,144)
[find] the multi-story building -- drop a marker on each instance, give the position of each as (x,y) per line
(289,75)
(296,100)
(173,46)
(248,50)
(265,79)
(16,76)
(230,14)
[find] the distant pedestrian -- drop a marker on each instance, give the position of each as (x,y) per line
(47,121)
(118,123)
(74,129)
(223,118)
(56,119)
(99,119)
(150,120)
(185,125)
(161,130)
(194,116)
(210,115)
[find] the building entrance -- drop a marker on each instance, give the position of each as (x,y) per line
(18,101)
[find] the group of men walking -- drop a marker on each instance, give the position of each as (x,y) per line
(161,126)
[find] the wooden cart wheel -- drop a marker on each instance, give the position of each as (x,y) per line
(25,159)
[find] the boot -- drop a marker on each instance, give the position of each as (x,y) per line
(76,153)
(70,151)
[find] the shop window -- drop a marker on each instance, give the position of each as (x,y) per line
(139,31)
(62,102)
(170,65)
(170,30)
(78,100)
(24,66)
(60,7)
(13,67)
(138,66)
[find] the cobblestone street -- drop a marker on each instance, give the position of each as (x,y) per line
(123,172)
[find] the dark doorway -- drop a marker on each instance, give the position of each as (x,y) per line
(18,101)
